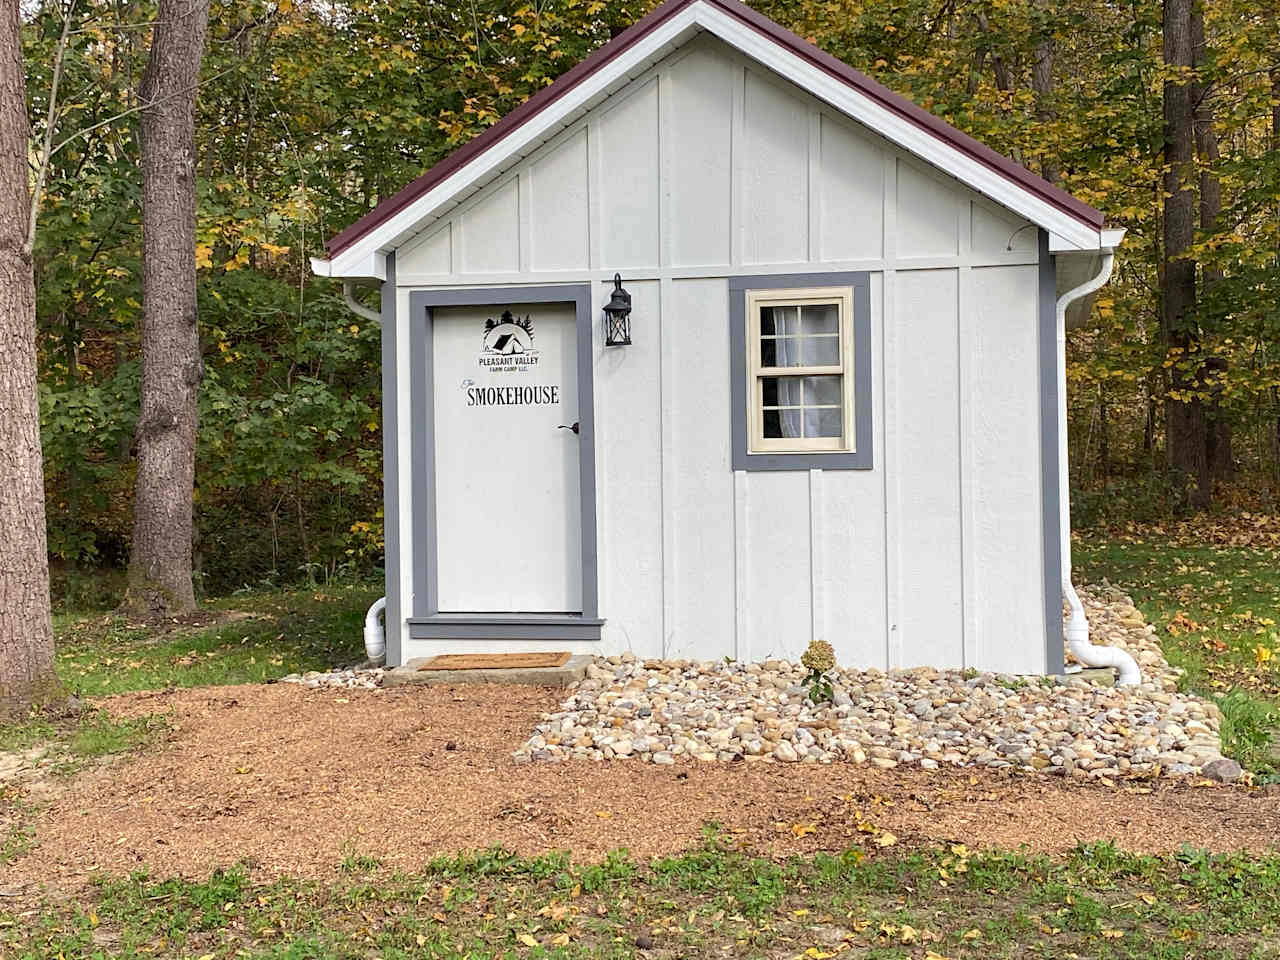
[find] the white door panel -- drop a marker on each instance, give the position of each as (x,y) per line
(508,493)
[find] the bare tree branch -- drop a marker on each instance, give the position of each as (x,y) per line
(139,108)
(46,150)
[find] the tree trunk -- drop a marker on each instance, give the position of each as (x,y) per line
(1184,413)
(160,582)
(26,635)
(1042,87)
(1206,140)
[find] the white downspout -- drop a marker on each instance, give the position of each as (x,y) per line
(1077,626)
(355,306)
(375,640)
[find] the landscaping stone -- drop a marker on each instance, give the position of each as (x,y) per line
(675,711)
(1223,769)
(366,678)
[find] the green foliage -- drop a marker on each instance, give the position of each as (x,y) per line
(309,115)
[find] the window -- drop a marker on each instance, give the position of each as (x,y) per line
(801,384)
(800,371)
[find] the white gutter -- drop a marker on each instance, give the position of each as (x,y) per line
(1077,626)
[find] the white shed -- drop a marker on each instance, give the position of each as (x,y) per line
(841,411)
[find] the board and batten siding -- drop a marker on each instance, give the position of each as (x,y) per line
(707,167)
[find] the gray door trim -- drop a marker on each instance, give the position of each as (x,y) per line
(425,607)
(1050,479)
(860,458)
(531,626)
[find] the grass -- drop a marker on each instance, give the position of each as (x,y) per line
(714,901)
(1216,608)
(92,734)
(286,631)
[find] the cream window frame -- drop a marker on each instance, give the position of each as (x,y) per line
(756,301)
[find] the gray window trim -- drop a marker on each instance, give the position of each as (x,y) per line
(426,620)
(1050,479)
(860,458)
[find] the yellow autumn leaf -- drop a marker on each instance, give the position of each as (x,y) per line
(886,839)
(973,933)
(560,940)
(527,940)
(803,829)
(1263,654)
(813,953)
(1113,934)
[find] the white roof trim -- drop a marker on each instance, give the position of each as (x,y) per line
(365,257)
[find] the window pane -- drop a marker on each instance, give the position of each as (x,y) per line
(768,352)
(820,351)
(781,352)
(782,391)
(779,321)
(769,391)
(821,391)
(820,318)
(824,422)
(780,424)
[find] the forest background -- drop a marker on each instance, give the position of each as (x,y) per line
(310,112)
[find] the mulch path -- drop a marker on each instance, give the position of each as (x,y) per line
(292,779)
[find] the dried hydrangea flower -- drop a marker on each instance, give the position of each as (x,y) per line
(820,656)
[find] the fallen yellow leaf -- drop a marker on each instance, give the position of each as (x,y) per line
(560,940)
(886,839)
(527,940)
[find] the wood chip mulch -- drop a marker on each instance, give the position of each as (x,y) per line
(291,780)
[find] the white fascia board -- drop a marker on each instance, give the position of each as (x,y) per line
(371,265)
(389,234)
(1112,238)
(894,128)
(1106,240)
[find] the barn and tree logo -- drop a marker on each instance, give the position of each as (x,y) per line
(508,344)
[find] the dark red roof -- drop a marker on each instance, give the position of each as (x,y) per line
(900,105)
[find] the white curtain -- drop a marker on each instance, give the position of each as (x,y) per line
(789,388)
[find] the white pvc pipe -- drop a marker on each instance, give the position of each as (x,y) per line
(375,639)
(1077,626)
(355,306)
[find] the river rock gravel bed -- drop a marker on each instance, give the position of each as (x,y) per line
(668,712)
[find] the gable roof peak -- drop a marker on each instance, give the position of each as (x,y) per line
(888,113)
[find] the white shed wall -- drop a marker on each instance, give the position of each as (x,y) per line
(708,167)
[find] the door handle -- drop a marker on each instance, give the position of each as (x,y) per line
(565,426)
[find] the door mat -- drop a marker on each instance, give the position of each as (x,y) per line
(495,661)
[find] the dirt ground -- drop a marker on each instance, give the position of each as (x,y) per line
(292,780)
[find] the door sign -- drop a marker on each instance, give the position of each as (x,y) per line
(508,345)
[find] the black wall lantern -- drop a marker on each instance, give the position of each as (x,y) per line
(617,316)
